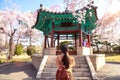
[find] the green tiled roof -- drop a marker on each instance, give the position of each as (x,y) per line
(45,19)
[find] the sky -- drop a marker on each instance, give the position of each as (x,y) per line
(31,5)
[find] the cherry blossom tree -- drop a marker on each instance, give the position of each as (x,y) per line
(108,30)
(8,21)
(27,21)
(19,25)
(73,5)
(108,27)
(15,25)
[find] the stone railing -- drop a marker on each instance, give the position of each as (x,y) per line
(92,70)
(36,60)
(42,65)
(98,60)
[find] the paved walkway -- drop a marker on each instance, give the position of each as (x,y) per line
(18,71)
(110,71)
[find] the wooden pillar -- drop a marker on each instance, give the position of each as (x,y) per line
(75,41)
(58,40)
(52,35)
(48,44)
(45,39)
(88,36)
(80,38)
(54,42)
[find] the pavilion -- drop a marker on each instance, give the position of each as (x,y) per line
(56,25)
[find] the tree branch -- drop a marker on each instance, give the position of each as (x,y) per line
(13,32)
(4,31)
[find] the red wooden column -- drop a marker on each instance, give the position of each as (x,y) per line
(45,39)
(75,41)
(80,37)
(58,39)
(88,36)
(52,35)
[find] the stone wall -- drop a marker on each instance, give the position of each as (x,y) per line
(84,51)
(36,60)
(50,51)
(98,60)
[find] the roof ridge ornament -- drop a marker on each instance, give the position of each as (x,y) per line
(66,10)
(41,6)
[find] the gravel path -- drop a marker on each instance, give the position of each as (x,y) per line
(110,71)
(18,71)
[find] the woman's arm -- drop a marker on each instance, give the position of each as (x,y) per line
(72,62)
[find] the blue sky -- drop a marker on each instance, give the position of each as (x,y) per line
(32,5)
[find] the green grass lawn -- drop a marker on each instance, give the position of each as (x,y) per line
(112,57)
(20,58)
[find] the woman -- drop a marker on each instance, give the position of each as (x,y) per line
(65,60)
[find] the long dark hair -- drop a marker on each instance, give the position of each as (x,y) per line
(65,59)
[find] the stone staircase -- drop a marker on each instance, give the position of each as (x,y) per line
(80,72)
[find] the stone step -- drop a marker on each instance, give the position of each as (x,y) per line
(74,69)
(81,74)
(75,78)
(77,58)
(80,70)
(78,65)
(52,61)
(83,78)
(47,78)
(50,66)
(81,66)
(49,69)
(75,74)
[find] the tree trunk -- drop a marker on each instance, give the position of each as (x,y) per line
(110,49)
(10,48)
(107,46)
(30,39)
(97,48)
(6,41)
(18,40)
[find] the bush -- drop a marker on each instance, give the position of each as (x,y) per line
(30,50)
(62,43)
(19,49)
(71,48)
(38,49)
(116,49)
